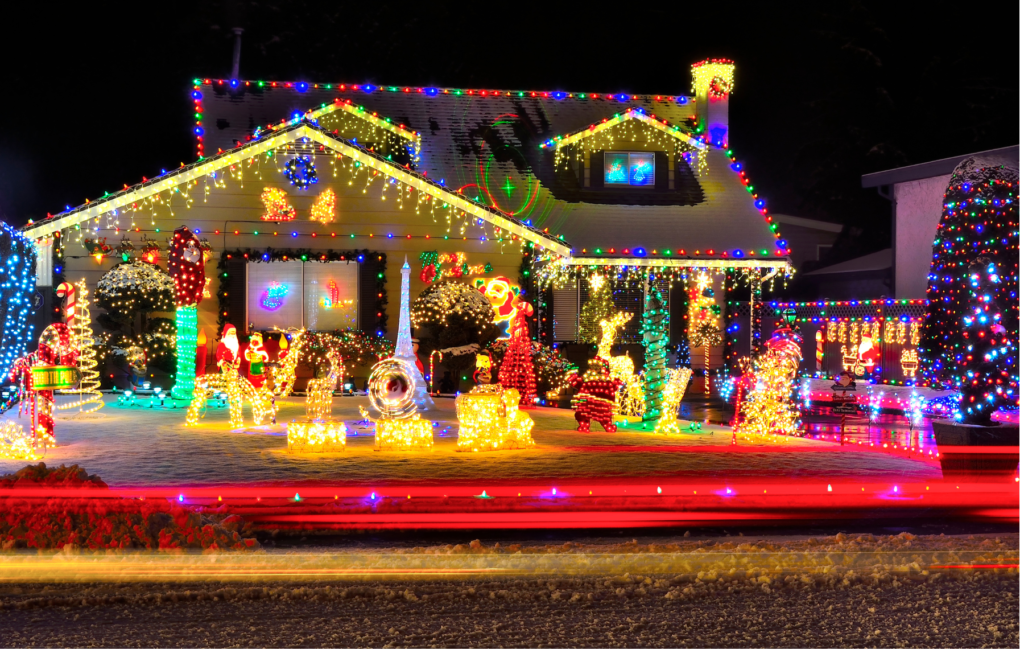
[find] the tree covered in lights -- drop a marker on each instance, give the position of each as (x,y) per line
(18,262)
(654,330)
(599,307)
(980,219)
(988,356)
(453,314)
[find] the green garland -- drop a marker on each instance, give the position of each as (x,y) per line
(305,254)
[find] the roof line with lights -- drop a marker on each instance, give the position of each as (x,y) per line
(636,113)
(654,262)
(270,141)
(355,110)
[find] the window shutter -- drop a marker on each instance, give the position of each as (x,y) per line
(237,285)
(676,317)
(368,293)
(597,170)
(565,311)
(660,170)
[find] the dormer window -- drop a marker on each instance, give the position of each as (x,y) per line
(630,169)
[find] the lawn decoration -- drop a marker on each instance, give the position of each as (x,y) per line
(16,444)
(675,388)
(79,323)
(185,265)
(391,390)
(768,408)
(516,371)
(631,398)
(490,420)
(316,436)
(404,348)
(595,396)
(504,298)
(320,392)
(283,374)
(51,366)
(257,356)
(230,382)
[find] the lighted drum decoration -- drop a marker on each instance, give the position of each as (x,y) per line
(391,390)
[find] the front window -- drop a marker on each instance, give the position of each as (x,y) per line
(634,169)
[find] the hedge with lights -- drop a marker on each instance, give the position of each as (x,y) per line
(979,219)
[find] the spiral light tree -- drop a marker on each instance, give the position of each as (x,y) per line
(185,264)
(79,323)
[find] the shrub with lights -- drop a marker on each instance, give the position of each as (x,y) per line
(453,314)
(979,219)
(130,293)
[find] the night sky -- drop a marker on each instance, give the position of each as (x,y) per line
(825,92)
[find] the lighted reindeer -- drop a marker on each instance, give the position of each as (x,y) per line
(320,392)
(287,360)
(631,396)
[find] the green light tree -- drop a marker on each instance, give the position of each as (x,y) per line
(654,330)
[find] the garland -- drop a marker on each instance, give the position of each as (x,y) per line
(528,292)
(304,254)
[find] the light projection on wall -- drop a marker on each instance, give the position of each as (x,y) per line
(636,169)
(504,298)
(273,296)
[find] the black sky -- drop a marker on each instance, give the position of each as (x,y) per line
(98,97)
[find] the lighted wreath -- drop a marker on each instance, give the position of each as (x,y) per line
(719,88)
(301,172)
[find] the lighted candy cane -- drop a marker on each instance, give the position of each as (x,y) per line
(333,293)
(66,292)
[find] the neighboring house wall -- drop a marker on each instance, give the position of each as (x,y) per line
(918,212)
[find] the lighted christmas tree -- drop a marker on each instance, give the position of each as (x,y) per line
(654,329)
(704,330)
(979,219)
(90,399)
(599,307)
(989,356)
(517,367)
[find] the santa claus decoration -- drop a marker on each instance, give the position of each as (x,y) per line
(227,348)
(257,355)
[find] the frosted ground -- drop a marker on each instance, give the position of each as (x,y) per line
(149,447)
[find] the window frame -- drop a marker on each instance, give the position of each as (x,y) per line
(654,169)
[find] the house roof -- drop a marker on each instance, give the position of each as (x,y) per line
(943,167)
(880,260)
(487,146)
(271,140)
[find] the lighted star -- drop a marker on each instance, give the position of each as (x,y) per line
(508,186)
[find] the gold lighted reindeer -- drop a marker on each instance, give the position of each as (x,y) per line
(288,359)
(320,392)
(631,401)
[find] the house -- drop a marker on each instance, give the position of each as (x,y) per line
(916,193)
(527,185)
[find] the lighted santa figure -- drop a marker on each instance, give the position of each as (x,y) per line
(257,355)
(227,348)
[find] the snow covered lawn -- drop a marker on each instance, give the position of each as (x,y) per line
(152,447)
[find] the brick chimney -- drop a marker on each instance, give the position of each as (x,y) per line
(712,84)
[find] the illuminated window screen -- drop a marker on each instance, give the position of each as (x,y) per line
(641,169)
(274,295)
(634,169)
(317,296)
(331,295)
(616,168)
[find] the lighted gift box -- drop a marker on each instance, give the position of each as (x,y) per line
(316,437)
(490,420)
(404,434)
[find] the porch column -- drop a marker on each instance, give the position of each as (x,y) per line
(755,312)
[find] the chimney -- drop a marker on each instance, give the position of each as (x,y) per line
(712,84)
(236,56)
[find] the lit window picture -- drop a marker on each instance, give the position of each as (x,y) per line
(634,169)
(273,296)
